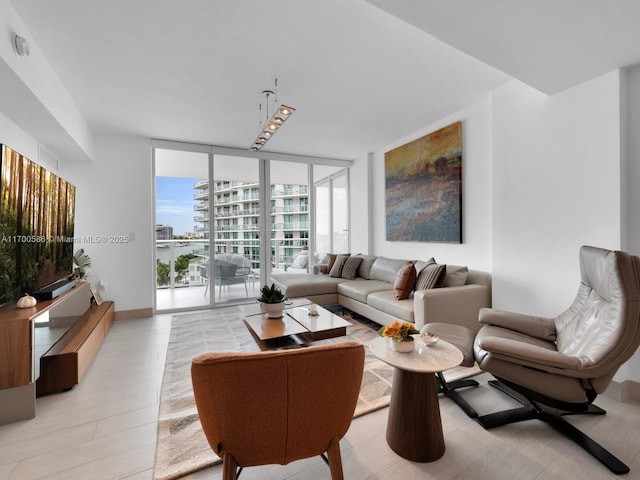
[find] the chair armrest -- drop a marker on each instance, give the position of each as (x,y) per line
(242,271)
(538,327)
(457,305)
(528,354)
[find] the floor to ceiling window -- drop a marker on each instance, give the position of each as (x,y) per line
(181,240)
(225,221)
(289,215)
(331,187)
(234,265)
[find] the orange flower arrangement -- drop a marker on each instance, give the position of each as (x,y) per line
(398,331)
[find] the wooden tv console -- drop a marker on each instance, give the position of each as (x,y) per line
(48,348)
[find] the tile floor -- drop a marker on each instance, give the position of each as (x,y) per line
(175,299)
(105,428)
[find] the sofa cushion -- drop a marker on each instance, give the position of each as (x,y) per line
(386,269)
(331,258)
(300,260)
(456,276)
(350,269)
(430,276)
(405,281)
(303,285)
(387,302)
(336,270)
(359,289)
(364,270)
(420,264)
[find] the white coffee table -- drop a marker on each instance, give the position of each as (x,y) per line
(414,427)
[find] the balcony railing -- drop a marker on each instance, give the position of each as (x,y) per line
(173,272)
(294,190)
(203,195)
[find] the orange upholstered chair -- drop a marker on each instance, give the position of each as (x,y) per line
(275,407)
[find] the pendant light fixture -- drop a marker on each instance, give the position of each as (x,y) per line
(270,124)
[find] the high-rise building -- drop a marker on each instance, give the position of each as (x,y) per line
(164,232)
(237,218)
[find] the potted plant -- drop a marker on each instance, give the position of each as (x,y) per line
(81,264)
(400,335)
(272,300)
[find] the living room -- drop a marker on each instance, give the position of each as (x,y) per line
(543,173)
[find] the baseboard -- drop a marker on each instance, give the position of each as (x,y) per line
(133,314)
(625,391)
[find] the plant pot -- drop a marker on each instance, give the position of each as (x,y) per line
(273,310)
(402,347)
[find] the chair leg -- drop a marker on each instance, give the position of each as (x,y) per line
(533,410)
(229,467)
(335,459)
(449,390)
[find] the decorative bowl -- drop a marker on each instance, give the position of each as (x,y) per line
(429,339)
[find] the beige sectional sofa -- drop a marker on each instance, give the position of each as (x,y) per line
(457,298)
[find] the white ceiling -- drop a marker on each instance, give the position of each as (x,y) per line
(360,78)
(549,44)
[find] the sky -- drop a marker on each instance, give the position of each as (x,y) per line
(174,203)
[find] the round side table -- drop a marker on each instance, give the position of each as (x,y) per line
(414,427)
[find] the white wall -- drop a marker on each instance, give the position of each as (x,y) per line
(17,139)
(114,199)
(360,184)
(475,251)
(630,181)
(33,96)
(541,177)
(556,186)
(631,174)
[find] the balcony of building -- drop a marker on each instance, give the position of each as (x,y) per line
(180,264)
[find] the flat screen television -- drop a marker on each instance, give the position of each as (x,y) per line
(37,211)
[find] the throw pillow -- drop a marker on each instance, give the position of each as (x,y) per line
(332,258)
(365,266)
(405,281)
(421,264)
(300,260)
(336,270)
(430,276)
(350,269)
(455,276)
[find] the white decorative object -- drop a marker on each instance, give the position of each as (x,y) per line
(26,301)
(273,310)
(402,347)
(429,339)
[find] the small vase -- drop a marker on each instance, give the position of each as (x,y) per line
(402,347)
(273,310)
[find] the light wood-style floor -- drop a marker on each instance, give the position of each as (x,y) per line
(105,428)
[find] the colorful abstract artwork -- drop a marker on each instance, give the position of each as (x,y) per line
(423,188)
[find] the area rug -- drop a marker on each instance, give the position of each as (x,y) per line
(182,447)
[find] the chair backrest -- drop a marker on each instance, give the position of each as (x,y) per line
(235,258)
(602,326)
(274,407)
(224,269)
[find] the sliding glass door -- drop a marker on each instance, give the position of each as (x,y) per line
(225,221)
(181,231)
(289,217)
(331,188)
(234,263)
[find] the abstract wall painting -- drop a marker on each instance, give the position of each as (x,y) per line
(423,188)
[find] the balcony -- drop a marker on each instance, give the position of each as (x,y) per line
(179,285)
(204,195)
(290,191)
